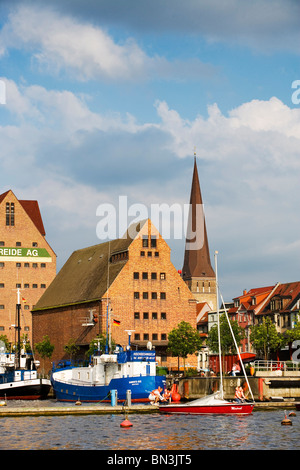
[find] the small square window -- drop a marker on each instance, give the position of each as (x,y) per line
(145,295)
(136,275)
(136,295)
(145,315)
(153,276)
(145,275)
(163,315)
(136,315)
(154,315)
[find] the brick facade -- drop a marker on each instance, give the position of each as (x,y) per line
(147,296)
(22,243)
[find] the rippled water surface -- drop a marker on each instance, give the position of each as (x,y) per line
(260,431)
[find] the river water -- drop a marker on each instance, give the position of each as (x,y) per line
(262,430)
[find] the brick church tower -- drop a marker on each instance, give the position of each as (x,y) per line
(197,271)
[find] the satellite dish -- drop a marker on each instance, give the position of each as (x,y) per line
(149,345)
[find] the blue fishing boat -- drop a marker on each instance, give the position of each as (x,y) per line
(122,371)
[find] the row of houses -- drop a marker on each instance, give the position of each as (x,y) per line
(279,302)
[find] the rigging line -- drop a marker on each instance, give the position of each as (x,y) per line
(235,343)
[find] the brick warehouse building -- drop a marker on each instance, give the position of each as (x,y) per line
(27,262)
(135,277)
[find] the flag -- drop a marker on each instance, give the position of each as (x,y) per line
(24,300)
(116,322)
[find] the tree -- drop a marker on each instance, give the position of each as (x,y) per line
(292,335)
(265,338)
(184,340)
(45,349)
(227,341)
(71,348)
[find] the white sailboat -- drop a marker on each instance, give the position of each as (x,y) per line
(214,403)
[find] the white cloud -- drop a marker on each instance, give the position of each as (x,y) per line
(62,43)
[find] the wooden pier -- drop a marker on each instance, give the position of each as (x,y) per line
(88,409)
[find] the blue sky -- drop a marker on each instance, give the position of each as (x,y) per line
(109,98)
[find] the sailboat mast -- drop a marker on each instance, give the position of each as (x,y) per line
(18,330)
(218,317)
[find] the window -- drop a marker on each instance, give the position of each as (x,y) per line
(43,265)
(26,265)
(18,244)
(149,254)
(163,295)
(136,315)
(145,295)
(153,241)
(154,315)
(43,286)
(34,265)
(142,253)
(145,275)
(2,264)
(34,244)
(136,295)
(153,276)
(154,337)
(156,254)
(10,213)
(136,275)
(2,243)
(146,315)
(146,337)
(34,286)
(163,315)
(137,336)
(26,286)
(145,241)
(1,307)
(18,265)
(18,286)
(163,337)
(1,285)
(162,276)
(154,295)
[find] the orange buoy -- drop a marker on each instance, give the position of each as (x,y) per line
(286,421)
(292,413)
(126,424)
(175,396)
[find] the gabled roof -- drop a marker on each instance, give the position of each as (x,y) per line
(85,275)
(289,291)
(32,209)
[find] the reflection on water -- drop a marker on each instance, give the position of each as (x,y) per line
(261,430)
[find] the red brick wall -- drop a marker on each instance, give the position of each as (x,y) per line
(66,323)
(26,232)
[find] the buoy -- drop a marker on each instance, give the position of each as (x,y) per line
(286,421)
(174,393)
(78,402)
(126,424)
(292,413)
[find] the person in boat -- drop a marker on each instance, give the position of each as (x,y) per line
(239,396)
(156,396)
(167,395)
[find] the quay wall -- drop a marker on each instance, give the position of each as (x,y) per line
(263,388)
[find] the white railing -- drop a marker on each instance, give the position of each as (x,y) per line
(270,366)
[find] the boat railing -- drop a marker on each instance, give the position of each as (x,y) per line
(271,366)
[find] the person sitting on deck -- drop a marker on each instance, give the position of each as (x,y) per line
(156,396)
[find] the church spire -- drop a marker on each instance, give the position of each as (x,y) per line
(197,270)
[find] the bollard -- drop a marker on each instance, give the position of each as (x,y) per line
(114,397)
(128,397)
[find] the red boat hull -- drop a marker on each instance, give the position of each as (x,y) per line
(228,408)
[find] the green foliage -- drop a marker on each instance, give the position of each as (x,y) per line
(265,338)
(184,340)
(227,342)
(71,348)
(4,339)
(44,347)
